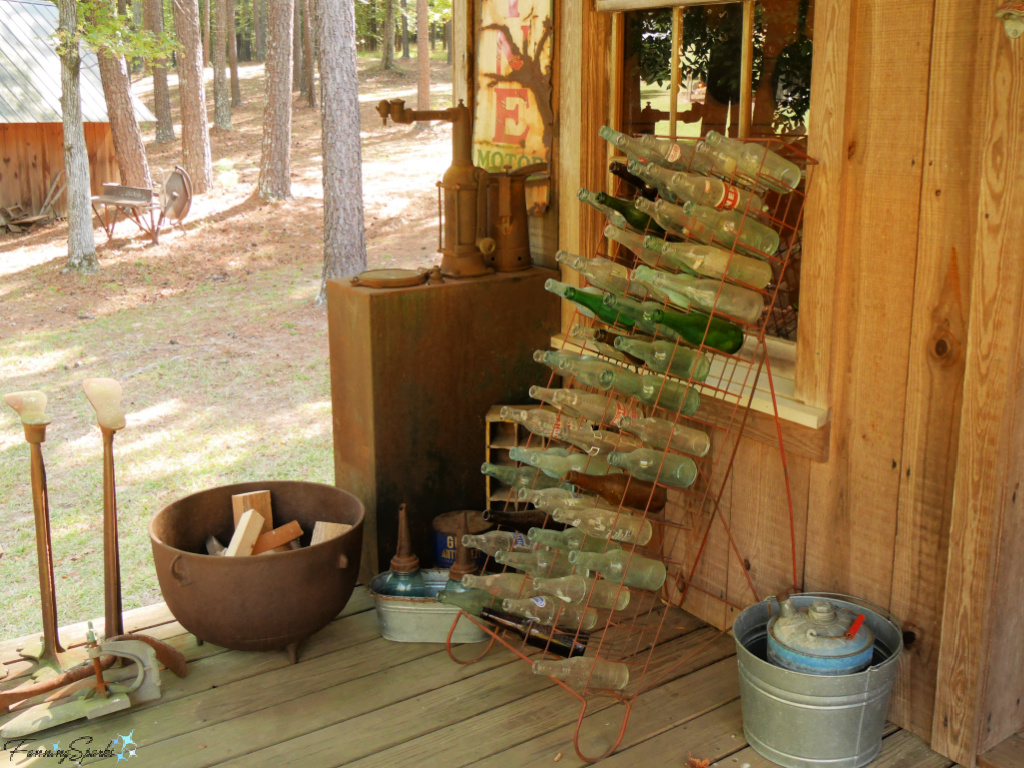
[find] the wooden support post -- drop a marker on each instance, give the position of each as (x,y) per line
(677,41)
(746,70)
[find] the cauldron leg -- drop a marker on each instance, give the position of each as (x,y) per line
(293,653)
(199,641)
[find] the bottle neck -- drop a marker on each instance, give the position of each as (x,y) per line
(550,667)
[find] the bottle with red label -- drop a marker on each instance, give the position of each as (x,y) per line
(599,409)
(703,190)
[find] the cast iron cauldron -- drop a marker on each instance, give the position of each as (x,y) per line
(261,603)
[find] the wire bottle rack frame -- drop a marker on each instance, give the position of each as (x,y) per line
(630,636)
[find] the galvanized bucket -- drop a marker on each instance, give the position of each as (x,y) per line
(800,720)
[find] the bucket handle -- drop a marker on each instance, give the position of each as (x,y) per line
(180,572)
(884,612)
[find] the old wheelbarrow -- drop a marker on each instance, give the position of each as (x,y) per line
(137,204)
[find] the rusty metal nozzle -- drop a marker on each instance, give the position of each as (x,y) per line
(463,560)
(404,561)
(383,109)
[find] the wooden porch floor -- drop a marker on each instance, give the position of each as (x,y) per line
(356,699)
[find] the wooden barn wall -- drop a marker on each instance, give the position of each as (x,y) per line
(32,153)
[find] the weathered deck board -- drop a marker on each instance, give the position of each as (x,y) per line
(1008,754)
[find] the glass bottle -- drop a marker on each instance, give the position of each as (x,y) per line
(675,220)
(500,584)
(540,562)
(640,313)
(597,593)
(585,674)
(703,293)
(655,389)
(750,160)
(634,242)
(557,461)
(605,274)
(623,567)
(722,334)
(471,600)
(404,579)
(599,409)
(606,524)
(622,489)
(589,371)
(662,434)
(521,520)
(518,477)
(621,213)
(680,156)
(552,498)
(492,542)
(664,356)
(543,422)
(601,442)
(711,261)
(640,170)
(592,341)
(621,171)
(549,611)
(569,539)
(590,302)
(565,644)
(655,466)
(734,230)
(703,190)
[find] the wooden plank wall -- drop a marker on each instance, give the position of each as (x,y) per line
(34,152)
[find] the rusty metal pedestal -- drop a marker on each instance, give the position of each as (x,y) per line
(413,372)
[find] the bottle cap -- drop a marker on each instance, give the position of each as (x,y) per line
(404,561)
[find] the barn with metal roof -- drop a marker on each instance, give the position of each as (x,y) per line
(31,134)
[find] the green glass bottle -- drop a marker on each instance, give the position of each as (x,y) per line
(710,261)
(597,593)
(557,461)
(607,524)
(654,389)
(606,275)
(621,213)
(471,600)
(583,674)
(518,477)
(655,467)
(658,433)
(500,584)
(691,326)
(589,300)
(624,568)
(589,371)
(641,313)
(569,540)
(706,294)
(664,356)
(550,611)
(734,230)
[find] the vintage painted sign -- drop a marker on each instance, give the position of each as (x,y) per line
(514,121)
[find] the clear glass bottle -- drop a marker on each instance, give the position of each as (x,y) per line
(518,477)
(606,524)
(664,356)
(605,274)
(597,593)
(703,293)
(590,302)
(492,542)
(680,156)
(589,371)
(549,611)
(470,600)
(623,567)
(557,461)
(639,170)
(583,673)
(601,442)
(500,584)
(565,644)
(734,230)
(621,171)
(675,219)
(598,409)
(552,498)
(655,467)
(750,160)
(658,433)
(703,190)
(543,422)
(710,261)
(635,242)
(540,562)
(593,343)
(569,539)
(656,390)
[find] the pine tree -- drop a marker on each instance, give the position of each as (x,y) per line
(153,14)
(195,134)
(221,94)
(275,166)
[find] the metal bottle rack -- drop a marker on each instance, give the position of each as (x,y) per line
(682,531)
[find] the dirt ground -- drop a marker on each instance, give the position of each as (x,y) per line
(222,357)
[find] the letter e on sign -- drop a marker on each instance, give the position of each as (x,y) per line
(504,133)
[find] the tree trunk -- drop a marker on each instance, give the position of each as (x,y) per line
(260,22)
(387,47)
(423,54)
(221,92)
(307,36)
(405,29)
(207,12)
(344,232)
(81,246)
(236,87)
(153,14)
(297,61)
(448,39)
(195,134)
(275,166)
(124,128)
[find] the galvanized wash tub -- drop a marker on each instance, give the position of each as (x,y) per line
(421,619)
(800,720)
(269,601)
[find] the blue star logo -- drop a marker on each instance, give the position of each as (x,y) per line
(126,740)
(56,746)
